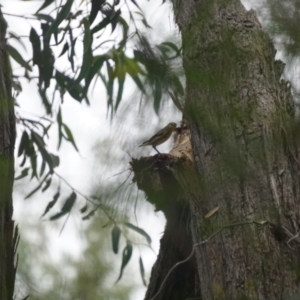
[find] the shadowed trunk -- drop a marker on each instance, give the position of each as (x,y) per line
(8,238)
(245,165)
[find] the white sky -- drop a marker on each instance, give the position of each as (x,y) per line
(89,126)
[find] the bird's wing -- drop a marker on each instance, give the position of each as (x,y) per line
(159,133)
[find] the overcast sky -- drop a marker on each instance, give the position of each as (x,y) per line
(91,127)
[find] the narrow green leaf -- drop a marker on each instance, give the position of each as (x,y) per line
(44,17)
(47,184)
(46,39)
(90,214)
(110,84)
(29,150)
(135,3)
(47,159)
(38,187)
(66,207)
(142,271)
(72,52)
(45,101)
(139,56)
(57,215)
(70,136)
(38,140)
(36,46)
(120,73)
(52,203)
(96,67)
(61,16)
(33,162)
(125,28)
(101,25)
(17,38)
(43,167)
(121,81)
(59,117)
(24,143)
(60,136)
(73,88)
(14,53)
(96,6)
(48,66)
(64,49)
(55,160)
(113,24)
(157,95)
(115,238)
(23,174)
(45,4)
(59,123)
(127,252)
(87,51)
(84,209)
(171,45)
(23,161)
(69,202)
(139,230)
(144,21)
(133,69)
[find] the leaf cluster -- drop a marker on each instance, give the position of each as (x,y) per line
(106,39)
(127,251)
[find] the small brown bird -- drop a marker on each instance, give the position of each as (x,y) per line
(160,137)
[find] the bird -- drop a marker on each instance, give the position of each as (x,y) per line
(160,137)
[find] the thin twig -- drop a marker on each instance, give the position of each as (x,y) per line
(97,205)
(19,16)
(201,243)
(65,222)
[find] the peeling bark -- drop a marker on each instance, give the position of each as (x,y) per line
(8,237)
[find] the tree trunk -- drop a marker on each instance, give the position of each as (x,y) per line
(245,166)
(8,238)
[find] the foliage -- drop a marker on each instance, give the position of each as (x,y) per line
(112,48)
(280,19)
(95,40)
(87,276)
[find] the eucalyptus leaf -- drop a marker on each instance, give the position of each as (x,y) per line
(142,271)
(115,237)
(127,252)
(51,203)
(62,15)
(14,53)
(140,231)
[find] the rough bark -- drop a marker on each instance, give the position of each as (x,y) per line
(157,176)
(244,140)
(243,151)
(8,238)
